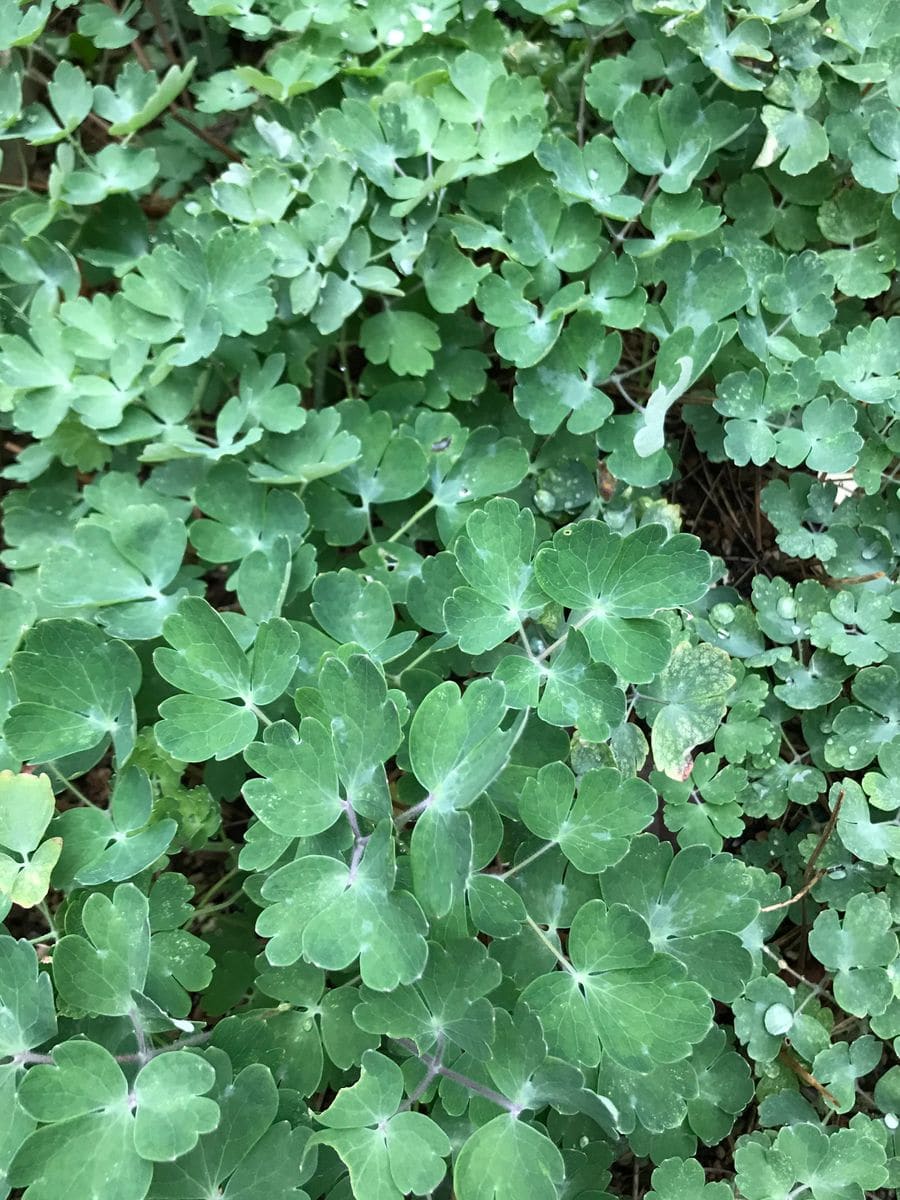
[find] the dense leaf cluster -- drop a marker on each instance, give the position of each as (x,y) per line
(395,798)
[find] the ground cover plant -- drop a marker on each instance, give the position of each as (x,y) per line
(450,706)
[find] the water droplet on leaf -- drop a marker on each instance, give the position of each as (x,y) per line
(778,1019)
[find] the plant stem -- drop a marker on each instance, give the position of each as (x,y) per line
(526,862)
(216,887)
(27,1058)
(557,954)
(139,1036)
(411,813)
(259,713)
(409,666)
(799,895)
(70,787)
(559,641)
(209,909)
(53,934)
(417,515)
(478,1089)
(432,1070)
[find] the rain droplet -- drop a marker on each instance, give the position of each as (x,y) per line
(722,614)
(869,552)
(891,1120)
(464,493)
(395,37)
(786,607)
(852,749)
(778,1019)
(441,444)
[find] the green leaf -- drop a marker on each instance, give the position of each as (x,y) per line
(791,129)
(26,806)
(457,750)
(27,1018)
(722,48)
(684,1179)
(404,340)
(683,358)
(348,913)
(594,830)
(319,449)
(81,1098)
(122,568)
(615,584)
(101,972)
(18,615)
(450,277)
(579,692)
(846,1161)
(403,1154)
(858,949)
(612,995)
(504,1157)
(540,228)
(172,1110)
(297,795)
(686,703)
(242,517)
(695,904)
(564,385)
(663,136)
(494,557)
(456,746)
(75,690)
(352,609)
(207,662)
(447,1003)
(593,173)
(248,1103)
(139,97)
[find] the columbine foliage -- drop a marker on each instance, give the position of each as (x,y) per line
(400,794)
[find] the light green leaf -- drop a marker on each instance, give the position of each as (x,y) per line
(172,1110)
(613,995)
(494,557)
(686,704)
(101,972)
(505,1159)
(332,914)
(594,829)
(615,584)
(27,1018)
(403,1154)
(75,691)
